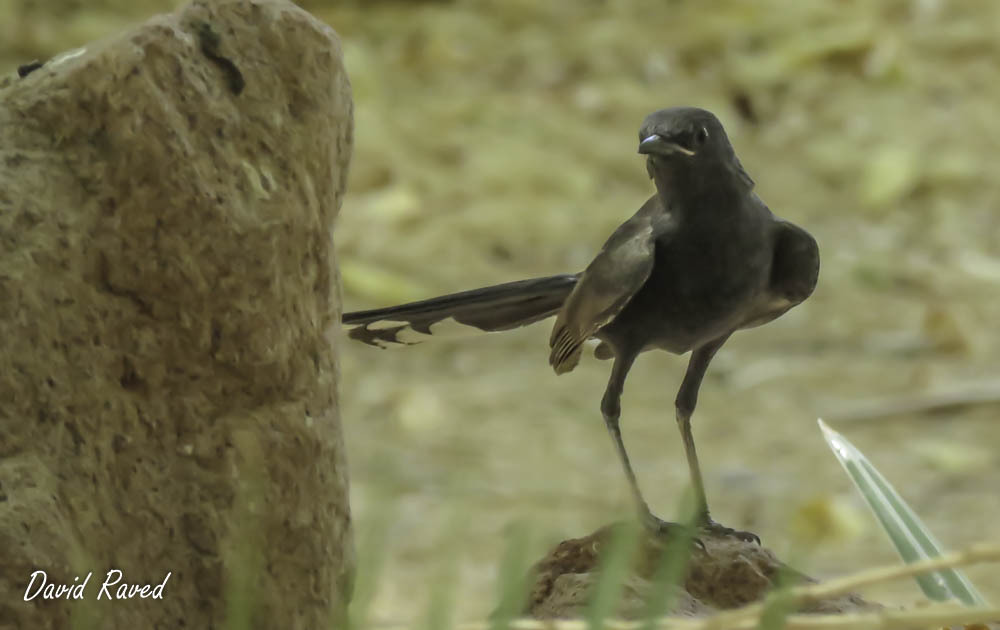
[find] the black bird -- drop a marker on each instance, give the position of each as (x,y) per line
(702,258)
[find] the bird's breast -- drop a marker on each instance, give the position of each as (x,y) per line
(701,287)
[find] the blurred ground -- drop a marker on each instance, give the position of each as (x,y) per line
(496,140)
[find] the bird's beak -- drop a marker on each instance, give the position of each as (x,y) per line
(658,145)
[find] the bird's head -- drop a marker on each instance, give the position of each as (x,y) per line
(683,134)
(681,137)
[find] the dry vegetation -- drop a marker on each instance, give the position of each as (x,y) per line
(496,140)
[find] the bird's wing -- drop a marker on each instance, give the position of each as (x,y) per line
(795,266)
(620,269)
(794,272)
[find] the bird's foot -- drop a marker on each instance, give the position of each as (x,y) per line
(665,530)
(715,529)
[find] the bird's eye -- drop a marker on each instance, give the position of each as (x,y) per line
(701,136)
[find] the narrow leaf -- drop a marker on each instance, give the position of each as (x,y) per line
(513,577)
(615,562)
(371,559)
(911,538)
(673,564)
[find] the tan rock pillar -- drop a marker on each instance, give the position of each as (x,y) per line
(169,312)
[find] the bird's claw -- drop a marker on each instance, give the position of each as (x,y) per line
(662,529)
(716,529)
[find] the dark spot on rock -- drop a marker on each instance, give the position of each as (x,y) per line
(216,338)
(75,435)
(129,378)
(28,68)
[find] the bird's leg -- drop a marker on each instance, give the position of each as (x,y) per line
(611,410)
(687,398)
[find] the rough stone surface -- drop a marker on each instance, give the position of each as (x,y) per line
(728,573)
(169,312)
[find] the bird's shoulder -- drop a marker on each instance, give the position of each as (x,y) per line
(608,283)
(626,258)
(650,222)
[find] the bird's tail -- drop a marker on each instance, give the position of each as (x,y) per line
(499,307)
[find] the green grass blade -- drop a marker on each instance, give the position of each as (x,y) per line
(616,556)
(513,577)
(673,565)
(374,533)
(444,586)
(911,538)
